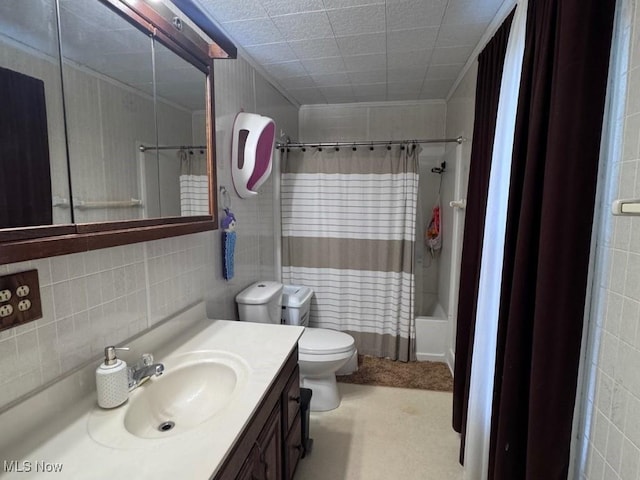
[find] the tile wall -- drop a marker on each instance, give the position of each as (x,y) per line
(97,298)
(611,443)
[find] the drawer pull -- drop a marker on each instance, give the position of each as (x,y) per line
(294,399)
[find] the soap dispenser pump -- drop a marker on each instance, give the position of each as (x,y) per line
(112,379)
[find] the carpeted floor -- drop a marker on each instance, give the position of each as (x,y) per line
(390,373)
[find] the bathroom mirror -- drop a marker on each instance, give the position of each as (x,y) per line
(33,157)
(130,143)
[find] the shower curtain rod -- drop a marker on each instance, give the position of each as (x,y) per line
(144,148)
(365,144)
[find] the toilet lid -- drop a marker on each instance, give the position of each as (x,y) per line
(322,341)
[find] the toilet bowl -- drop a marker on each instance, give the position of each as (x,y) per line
(321,351)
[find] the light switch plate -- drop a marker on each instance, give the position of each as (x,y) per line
(24,307)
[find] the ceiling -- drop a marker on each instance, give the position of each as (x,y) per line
(337,51)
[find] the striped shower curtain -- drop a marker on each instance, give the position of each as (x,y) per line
(194,183)
(348,232)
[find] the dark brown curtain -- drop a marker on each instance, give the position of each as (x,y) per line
(25,179)
(490,64)
(548,235)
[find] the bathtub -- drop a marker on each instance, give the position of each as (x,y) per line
(431,333)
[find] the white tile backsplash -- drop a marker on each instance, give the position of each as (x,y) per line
(102,297)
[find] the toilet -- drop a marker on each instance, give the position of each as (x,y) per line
(321,351)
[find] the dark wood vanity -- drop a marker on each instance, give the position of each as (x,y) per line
(270,445)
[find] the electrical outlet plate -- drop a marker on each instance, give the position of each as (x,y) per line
(23,305)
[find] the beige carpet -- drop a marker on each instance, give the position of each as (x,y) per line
(389,373)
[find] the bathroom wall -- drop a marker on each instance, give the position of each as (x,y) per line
(612,434)
(460,119)
(373,121)
(97,298)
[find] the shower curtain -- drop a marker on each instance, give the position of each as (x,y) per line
(194,183)
(348,232)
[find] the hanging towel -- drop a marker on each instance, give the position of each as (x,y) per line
(228,244)
(433,233)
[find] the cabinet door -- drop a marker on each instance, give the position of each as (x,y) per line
(270,447)
(294,448)
(291,399)
(251,466)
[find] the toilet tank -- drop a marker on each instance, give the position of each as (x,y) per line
(260,302)
(296,303)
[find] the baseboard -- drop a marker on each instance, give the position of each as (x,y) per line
(431,357)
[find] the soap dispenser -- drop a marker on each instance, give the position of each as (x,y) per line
(112,380)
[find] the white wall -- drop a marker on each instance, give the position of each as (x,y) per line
(102,297)
(612,437)
(460,119)
(373,121)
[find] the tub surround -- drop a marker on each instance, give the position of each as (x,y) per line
(52,426)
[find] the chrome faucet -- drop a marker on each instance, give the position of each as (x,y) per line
(143,370)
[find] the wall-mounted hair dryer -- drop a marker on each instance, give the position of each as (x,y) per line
(252,145)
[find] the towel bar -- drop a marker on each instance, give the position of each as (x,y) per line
(630,206)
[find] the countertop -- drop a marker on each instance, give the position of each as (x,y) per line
(64,442)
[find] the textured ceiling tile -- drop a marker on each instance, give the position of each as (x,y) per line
(253,32)
(331,79)
(405,59)
(339,90)
(413,39)
(436,88)
(357,20)
(271,53)
(401,96)
(365,63)
(448,55)
(470,11)
(319,47)
(225,11)
(304,26)
(444,72)
(403,87)
(374,76)
(460,35)
(304,81)
(286,69)
(369,89)
(407,74)
(334,95)
(324,65)
(285,7)
(350,3)
(414,14)
(362,44)
(307,96)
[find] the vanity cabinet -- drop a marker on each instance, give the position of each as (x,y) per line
(264,461)
(270,445)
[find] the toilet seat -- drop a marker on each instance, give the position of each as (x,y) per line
(322,341)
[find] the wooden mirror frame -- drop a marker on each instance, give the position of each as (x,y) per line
(22,244)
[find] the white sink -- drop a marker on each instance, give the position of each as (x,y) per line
(194,388)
